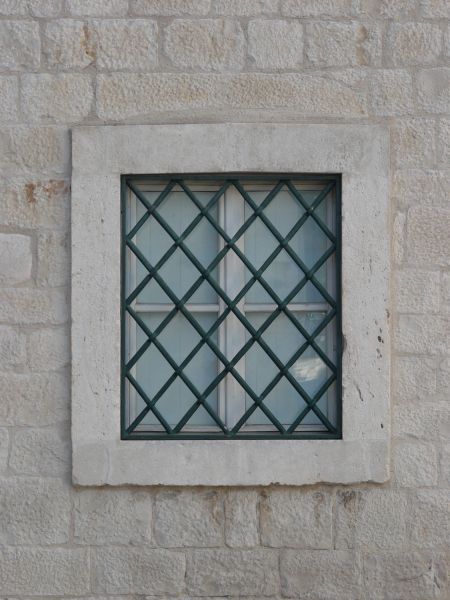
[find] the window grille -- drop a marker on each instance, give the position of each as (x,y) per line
(231,317)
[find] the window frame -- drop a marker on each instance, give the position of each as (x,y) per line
(100,155)
(226,398)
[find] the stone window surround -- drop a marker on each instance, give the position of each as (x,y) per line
(101,154)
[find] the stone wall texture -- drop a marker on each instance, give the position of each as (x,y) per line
(70,62)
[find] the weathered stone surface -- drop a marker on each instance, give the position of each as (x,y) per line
(422,421)
(125,44)
(276,44)
(208,44)
(227,572)
(241,518)
(342,44)
(4,449)
(414,43)
(9,99)
(421,187)
(96,510)
(318,8)
(189,519)
(405,574)
(370,519)
(67,44)
(34,400)
(45,8)
(418,291)
(389,9)
(34,511)
(97,8)
(422,334)
(414,142)
(429,519)
(415,377)
(444,142)
(320,575)
(126,95)
(398,234)
(44,452)
(125,570)
(434,90)
(19,45)
(244,8)
(46,572)
(15,258)
(35,204)
(170,7)
(446,291)
(13,8)
(392,92)
(26,306)
(445,463)
(12,348)
(48,349)
(434,9)
(53,264)
(427,233)
(39,152)
(415,465)
(65,97)
(286,518)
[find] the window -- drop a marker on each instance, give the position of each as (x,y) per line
(231,308)
(351,288)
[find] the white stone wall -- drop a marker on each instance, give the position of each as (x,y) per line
(69,62)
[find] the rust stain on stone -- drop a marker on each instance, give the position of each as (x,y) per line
(30,188)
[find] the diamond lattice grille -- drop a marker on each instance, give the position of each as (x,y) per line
(230,307)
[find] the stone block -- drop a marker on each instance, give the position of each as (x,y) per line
(391,92)
(44,452)
(12,348)
(444,142)
(414,43)
(170,8)
(276,44)
(405,574)
(35,204)
(125,570)
(422,421)
(415,377)
(123,95)
(370,519)
(429,519)
(103,516)
(57,98)
(45,8)
(421,187)
(9,99)
(53,259)
(189,519)
(343,44)
(67,44)
(433,87)
(434,9)
(34,152)
(295,519)
(13,8)
(415,465)
(422,334)
(26,306)
(241,518)
(206,45)
(398,235)
(445,464)
(226,572)
(414,143)
(34,511)
(19,45)
(35,400)
(427,237)
(48,349)
(4,449)
(15,258)
(318,8)
(125,44)
(388,9)
(44,571)
(97,8)
(417,291)
(320,575)
(244,8)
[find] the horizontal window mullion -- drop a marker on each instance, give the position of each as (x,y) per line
(163,308)
(306,307)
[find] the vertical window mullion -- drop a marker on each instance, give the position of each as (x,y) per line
(234,279)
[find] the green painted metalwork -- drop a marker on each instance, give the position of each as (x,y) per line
(329,428)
